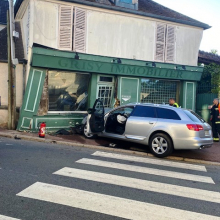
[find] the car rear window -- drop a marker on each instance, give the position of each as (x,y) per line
(194,117)
(144,111)
(167,114)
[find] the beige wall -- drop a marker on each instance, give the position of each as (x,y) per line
(115,34)
(4,89)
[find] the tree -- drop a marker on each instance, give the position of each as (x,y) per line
(214,51)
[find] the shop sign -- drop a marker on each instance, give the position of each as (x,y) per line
(112,68)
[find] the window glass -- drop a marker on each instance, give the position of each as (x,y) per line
(193,116)
(67,91)
(158,91)
(167,114)
(124,110)
(105,93)
(144,111)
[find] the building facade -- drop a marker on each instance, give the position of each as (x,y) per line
(77,51)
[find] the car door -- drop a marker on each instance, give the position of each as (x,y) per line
(140,123)
(95,118)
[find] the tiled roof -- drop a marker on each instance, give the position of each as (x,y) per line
(3,11)
(19,50)
(147,8)
(207,58)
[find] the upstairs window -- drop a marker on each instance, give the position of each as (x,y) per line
(72,29)
(165,48)
(131,4)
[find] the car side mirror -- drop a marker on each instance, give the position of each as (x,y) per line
(91,110)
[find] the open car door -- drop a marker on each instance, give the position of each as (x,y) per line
(95,118)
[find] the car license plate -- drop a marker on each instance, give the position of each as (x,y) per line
(207,133)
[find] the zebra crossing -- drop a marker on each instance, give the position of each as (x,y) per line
(124,207)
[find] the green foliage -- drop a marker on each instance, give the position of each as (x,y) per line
(210,81)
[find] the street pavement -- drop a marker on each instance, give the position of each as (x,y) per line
(208,155)
(41,181)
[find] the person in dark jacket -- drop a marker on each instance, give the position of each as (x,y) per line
(172,102)
(215,118)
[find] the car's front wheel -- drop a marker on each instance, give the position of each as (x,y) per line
(86,134)
(161,145)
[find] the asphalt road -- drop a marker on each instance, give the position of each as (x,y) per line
(41,181)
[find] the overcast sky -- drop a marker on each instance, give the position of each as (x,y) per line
(206,11)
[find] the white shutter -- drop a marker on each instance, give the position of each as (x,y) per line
(160,42)
(170,44)
(65,27)
(79,30)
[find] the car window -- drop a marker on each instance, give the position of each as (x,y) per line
(167,114)
(193,116)
(124,110)
(144,111)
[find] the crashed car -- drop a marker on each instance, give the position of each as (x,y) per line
(162,127)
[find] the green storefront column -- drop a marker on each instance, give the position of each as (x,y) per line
(31,99)
(189,95)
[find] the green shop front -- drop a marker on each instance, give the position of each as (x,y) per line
(62,85)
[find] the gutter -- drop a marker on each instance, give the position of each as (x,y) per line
(114,8)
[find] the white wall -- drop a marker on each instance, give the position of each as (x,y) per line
(188,42)
(45,23)
(113,34)
(119,36)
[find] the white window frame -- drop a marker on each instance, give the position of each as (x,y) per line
(109,84)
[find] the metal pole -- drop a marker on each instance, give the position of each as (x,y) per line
(14,62)
(9,72)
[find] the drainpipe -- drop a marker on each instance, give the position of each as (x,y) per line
(24,76)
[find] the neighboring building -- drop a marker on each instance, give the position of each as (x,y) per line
(80,50)
(4,5)
(208,58)
(20,74)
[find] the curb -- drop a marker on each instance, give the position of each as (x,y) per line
(74,144)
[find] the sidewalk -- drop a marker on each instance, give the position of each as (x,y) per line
(207,156)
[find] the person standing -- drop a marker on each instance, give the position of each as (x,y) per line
(172,102)
(215,119)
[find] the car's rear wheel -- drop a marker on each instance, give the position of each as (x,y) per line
(86,134)
(161,145)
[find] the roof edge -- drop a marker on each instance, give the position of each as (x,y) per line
(130,11)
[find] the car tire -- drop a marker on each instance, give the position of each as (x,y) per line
(161,145)
(86,134)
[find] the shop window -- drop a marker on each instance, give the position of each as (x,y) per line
(72,29)
(165,47)
(68,91)
(158,91)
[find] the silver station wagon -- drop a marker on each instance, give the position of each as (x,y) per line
(161,127)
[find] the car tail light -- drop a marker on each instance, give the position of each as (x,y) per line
(194,127)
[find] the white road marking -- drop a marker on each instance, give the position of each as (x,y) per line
(147,170)
(151,161)
(3,217)
(110,205)
(157,187)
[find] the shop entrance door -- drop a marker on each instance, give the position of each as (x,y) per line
(129,90)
